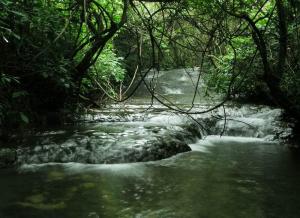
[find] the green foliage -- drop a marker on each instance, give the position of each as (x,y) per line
(109,66)
(42,43)
(6,10)
(234,63)
(51,51)
(7,80)
(105,74)
(33,62)
(24,118)
(9,99)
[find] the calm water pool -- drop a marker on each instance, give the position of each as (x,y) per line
(221,177)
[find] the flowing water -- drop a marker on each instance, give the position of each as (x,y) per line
(111,165)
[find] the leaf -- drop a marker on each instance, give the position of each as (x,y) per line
(18,13)
(19,94)
(24,118)
(16,36)
(5,39)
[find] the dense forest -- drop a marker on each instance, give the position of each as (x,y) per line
(60,57)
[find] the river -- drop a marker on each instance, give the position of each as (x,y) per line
(105,166)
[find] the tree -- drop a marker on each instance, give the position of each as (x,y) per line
(51,50)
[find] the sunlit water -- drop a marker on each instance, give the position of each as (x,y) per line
(244,173)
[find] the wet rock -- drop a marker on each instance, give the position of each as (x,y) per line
(194,129)
(162,149)
(95,150)
(8,157)
(160,142)
(189,133)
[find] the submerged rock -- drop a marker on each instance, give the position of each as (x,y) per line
(162,149)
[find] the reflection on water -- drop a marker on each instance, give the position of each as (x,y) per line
(222,177)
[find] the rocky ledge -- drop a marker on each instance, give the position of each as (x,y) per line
(94,150)
(94,153)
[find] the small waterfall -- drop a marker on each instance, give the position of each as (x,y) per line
(247,121)
(173,91)
(114,137)
(135,132)
(131,135)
